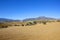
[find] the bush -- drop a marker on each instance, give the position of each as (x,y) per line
(27,24)
(22,24)
(31,23)
(34,22)
(58,20)
(44,22)
(16,25)
(2,25)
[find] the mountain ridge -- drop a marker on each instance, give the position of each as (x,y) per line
(27,19)
(7,20)
(40,18)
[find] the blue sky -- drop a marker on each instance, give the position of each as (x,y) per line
(21,9)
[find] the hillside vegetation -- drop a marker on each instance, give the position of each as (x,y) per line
(26,23)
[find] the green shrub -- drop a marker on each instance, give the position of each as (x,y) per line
(27,24)
(34,22)
(30,23)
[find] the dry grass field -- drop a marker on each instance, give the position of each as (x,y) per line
(50,31)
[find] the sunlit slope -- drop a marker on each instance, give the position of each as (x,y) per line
(50,31)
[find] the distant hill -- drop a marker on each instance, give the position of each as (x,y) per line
(27,19)
(8,20)
(39,18)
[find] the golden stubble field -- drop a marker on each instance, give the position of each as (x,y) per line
(50,31)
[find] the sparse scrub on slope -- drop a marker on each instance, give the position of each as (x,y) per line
(44,22)
(2,25)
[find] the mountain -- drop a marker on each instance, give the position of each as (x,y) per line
(27,19)
(39,18)
(8,20)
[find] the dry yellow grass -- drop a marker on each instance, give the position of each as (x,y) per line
(50,31)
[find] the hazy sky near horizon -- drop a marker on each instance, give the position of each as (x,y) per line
(21,9)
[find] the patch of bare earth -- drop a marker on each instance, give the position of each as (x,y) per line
(50,31)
